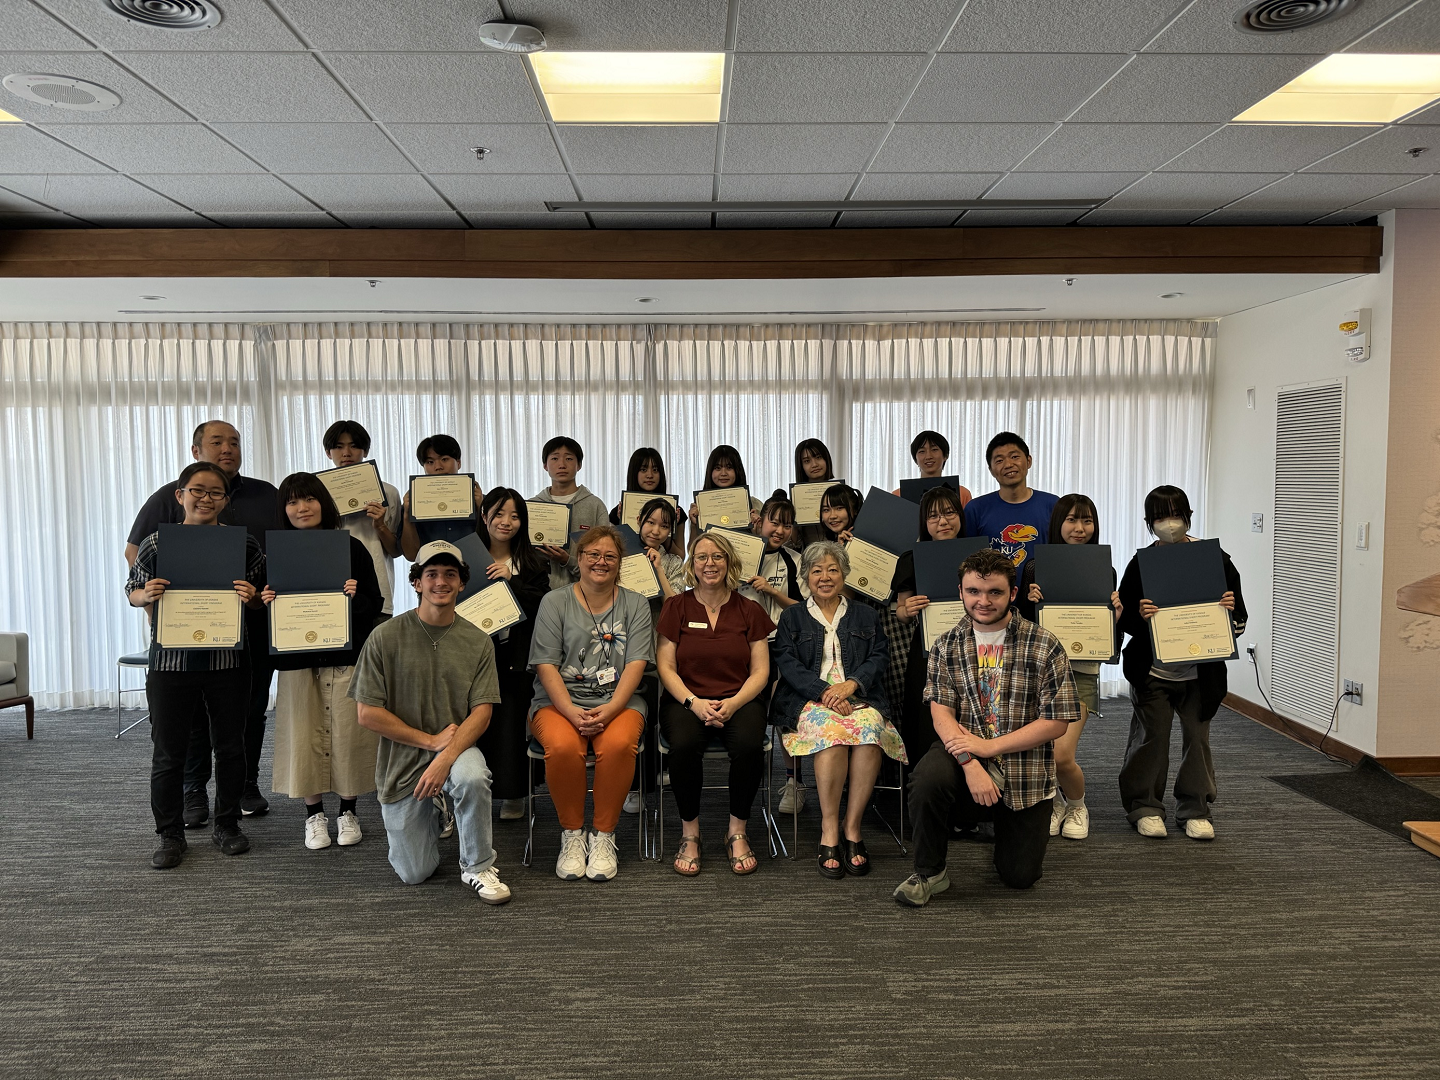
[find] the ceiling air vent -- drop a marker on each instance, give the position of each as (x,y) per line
(1287,16)
(167,14)
(61,92)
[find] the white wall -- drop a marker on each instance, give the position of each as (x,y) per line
(1283,343)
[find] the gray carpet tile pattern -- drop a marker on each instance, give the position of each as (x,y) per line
(1300,944)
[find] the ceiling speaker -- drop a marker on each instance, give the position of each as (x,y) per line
(61,92)
(1287,16)
(167,14)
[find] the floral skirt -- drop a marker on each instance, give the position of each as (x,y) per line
(819,728)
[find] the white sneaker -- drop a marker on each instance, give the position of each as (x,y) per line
(447,816)
(1057,814)
(512,809)
(632,803)
(1199,828)
(792,798)
(317,832)
(347,826)
(487,885)
(1077,821)
(570,866)
(604,861)
(1151,825)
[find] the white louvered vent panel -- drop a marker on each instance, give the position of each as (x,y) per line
(1307,532)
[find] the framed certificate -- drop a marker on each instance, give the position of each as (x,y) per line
(749,549)
(728,508)
(549,523)
(637,573)
(1192,634)
(872,569)
(442,498)
(353,487)
(632,502)
(939,616)
(1086,630)
(492,609)
(199,619)
(309,622)
(807,499)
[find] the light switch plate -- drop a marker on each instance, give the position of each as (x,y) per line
(1362,536)
(1257,523)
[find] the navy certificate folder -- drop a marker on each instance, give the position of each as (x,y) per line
(1173,575)
(937,565)
(201,556)
(307,560)
(916,486)
(1074,573)
(888,521)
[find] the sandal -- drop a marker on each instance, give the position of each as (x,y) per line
(736,861)
(691,864)
(855,849)
(827,854)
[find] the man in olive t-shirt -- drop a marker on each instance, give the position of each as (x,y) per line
(425,681)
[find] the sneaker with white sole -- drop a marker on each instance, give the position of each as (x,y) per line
(1057,814)
(603,861)
(447,816)
(347,829)
(487,885)
(916,890)
(512,809)
(1199,828)
(1151,825)
(632,803)
(792,797)
(1077,821)
(317,832)
(574,849)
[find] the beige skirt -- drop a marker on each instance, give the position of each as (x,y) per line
(319,743)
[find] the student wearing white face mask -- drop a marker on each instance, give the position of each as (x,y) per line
(1160,692)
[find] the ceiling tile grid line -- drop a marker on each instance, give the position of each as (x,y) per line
(1394,16)
(732,30)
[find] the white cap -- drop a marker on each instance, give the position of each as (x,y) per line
(438,547)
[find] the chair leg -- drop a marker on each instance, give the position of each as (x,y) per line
(29,718)
(525,858)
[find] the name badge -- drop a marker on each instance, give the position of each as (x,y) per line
(698,625)
(605,676)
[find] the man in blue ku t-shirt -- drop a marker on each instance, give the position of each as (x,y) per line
(1017,516)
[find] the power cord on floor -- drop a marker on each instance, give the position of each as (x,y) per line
(1334,715)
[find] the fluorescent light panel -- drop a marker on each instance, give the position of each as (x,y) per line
(1352,88)
(631,87)
(6,118)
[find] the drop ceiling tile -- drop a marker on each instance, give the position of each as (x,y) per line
(527,221)
(320,148)
(385,26)
(897,219)
(1423,194)
(651,221)
(46,220)
(1106,216)
(1265,147)
(625,26)
(820,88)
(774,221)
(445,148)
(924,185)
(1044,26)
(277,221)
(739,187)
(246,193)
(1198,89)
(1077,185)
(638,148)
(87,196)
(401,220)
(24,149)
(383,192)
(1416,31)
(171,148)
(1106,147)
(142,220)
(1384,152)
(14,203)
(958,147)
(29,27)
(1322,191)
(1345,217)
(800,148)
(842,26)
(1016,219)
(433,88)
(1236,216)
(1208,28)
(654,187)
(138,103)
(248,25)
(237,87)
(1186,191)
(995,87)
(527,193)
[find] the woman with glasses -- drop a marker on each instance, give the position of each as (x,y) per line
(714,662)
(591,644)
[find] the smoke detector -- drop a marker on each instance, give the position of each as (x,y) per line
(61,92)
(512,37)
(1287,16)
(167,14)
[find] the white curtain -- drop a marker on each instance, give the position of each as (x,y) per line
(94,417)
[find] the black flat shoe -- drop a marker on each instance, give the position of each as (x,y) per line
(855,849)
(828,853)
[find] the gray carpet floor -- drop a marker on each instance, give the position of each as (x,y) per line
(1300,944)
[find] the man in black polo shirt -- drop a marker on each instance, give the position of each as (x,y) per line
(253,504)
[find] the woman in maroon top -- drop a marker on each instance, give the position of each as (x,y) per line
(714,662)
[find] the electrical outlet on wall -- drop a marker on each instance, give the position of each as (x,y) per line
(1257,523)
(1362,536)
(1354,692)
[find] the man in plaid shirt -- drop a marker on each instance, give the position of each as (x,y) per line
(1000,693)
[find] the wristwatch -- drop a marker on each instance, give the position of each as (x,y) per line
(964,757)
(689,701)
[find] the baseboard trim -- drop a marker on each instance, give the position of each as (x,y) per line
(1306,736)
(1412,766)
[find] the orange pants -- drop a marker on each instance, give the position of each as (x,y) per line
(565,750)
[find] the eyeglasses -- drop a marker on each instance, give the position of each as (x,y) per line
(596,557)
(206,495)
(716,558)
(937,515)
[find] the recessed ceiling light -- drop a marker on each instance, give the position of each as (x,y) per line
(1416,151)
(631,88)
(644,299)
(1352,88)
(1170,295)
(480,152)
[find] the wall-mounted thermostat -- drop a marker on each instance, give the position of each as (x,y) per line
(1355,335)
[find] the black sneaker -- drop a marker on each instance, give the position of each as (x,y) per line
(230,840)
(171,850)
(197,808)
(252,803)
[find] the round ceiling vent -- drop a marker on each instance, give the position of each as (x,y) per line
(1287,16)
(512,37)
(61,92)
(167,14)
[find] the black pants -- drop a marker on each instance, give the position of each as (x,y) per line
(175,697)
(256,699)
(504,741)
(940,798)
(1147,756)
(743,736)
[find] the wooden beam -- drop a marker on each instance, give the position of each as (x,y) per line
(686,254)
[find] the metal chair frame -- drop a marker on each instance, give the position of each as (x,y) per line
(715,751)
(120,666)
(897,834)
(535,751)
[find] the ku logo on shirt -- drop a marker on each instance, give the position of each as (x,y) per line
(1013,540)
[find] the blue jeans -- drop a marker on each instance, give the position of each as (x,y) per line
(413,825)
